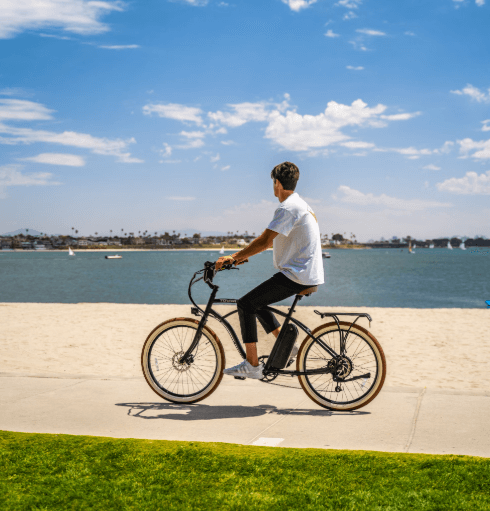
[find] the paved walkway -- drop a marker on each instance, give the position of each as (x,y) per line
(249,412)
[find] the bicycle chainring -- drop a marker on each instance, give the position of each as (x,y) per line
(270,376)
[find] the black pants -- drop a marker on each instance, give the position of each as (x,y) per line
(275,289)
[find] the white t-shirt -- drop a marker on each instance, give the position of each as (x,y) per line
(297,247)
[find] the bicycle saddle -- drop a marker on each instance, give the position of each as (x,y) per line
(308,291)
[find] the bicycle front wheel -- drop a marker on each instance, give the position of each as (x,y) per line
(176,382)
(360,370)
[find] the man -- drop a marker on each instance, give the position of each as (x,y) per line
(295,236)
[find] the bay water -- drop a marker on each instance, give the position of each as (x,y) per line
(372,278)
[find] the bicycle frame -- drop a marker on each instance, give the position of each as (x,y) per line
(208,276)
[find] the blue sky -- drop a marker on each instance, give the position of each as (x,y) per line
(163,115)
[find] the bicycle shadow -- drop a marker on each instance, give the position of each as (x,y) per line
(200,412)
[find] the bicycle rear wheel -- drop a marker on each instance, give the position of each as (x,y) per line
(363,357)
(182,383)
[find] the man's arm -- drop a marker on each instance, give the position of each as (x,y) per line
(258,245)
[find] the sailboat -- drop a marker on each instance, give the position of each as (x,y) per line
(222,251)
(431,245)
(449,245)
(70,252)
(409,247)
(461,246)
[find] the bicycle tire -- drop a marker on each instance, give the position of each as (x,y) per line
(363,354)
(182,383)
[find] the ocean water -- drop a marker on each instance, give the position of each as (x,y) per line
(373,278)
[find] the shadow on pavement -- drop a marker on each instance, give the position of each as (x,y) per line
(197,412)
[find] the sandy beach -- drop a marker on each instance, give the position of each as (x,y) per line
(436,348)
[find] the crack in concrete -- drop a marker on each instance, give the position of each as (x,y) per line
(415,418)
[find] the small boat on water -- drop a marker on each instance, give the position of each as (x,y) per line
(431,245)
(462,246)
(325,255)
(70,252)
(222,251)
(449,245)
(114,256)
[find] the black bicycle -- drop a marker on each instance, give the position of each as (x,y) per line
(340,365)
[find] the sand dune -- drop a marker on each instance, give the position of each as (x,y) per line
(437,348)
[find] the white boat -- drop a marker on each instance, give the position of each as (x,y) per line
(461,246)
(325,255)
(222,251)
(449,245)
(114,257)
(70,252)
(431,245)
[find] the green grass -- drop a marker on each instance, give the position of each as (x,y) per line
(47,472)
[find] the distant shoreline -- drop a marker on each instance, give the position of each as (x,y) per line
(81,250)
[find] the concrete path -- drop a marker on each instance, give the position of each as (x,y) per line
(400,419)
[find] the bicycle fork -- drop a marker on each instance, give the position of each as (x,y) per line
(187,357)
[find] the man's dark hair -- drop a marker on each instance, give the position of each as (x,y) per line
(287,174)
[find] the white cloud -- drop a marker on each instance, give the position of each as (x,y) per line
(358,45)
(77,16)
(102,146)
(481,149)
(411,153)
(22,110)
(470,184)
(11,175)
(349,16)
(486,125)
(293,131)
(330,33)
(480,2)
(302,132)
(474,93)
(352,196)
(214,159)
(193,134)
(175,111)
(368,31)
(166,152)
(349,4)
(401,117)
(70,160)
(358,145)
(228,142)
(193,143)
(121,47)
(408,32)
(195,3)
(431,167)
(226,167)
(242,113)
(355,68)
(184,199)
(297,5)
(60,37)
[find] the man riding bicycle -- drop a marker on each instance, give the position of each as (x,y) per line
(295,237)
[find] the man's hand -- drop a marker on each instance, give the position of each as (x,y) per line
(224,260)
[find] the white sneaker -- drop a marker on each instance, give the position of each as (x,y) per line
(292,357)
(246,370)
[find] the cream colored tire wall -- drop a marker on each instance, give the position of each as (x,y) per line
(210,336)
(378,352)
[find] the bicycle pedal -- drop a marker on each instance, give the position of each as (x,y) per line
(239,377)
